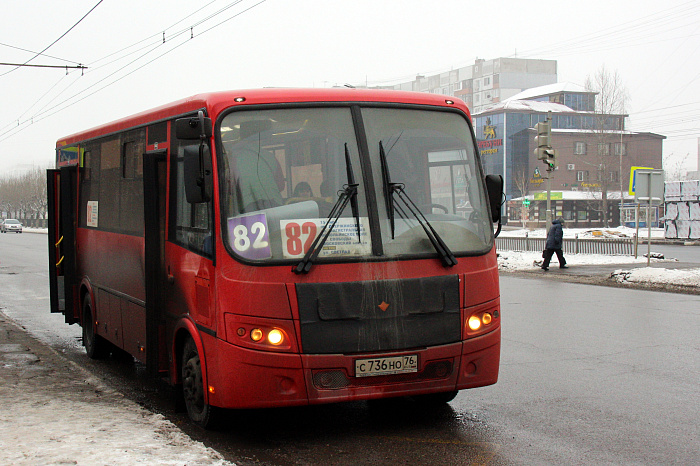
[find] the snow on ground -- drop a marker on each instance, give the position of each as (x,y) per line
(512,261)
(517,260)
(58,432)
(652,275)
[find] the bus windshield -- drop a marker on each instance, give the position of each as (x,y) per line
(283,171)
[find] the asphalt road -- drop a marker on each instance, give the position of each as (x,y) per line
(673,251)
(589,374)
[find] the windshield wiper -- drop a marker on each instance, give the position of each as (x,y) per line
(446,256)
(353,197)
(347,195)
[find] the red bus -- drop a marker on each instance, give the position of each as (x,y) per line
(275,247)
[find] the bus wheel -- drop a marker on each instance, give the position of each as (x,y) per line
(96,347)
(435,398)
(198,410)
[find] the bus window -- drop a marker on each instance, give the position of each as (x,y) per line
(431,154)
(191,225)
(283,171)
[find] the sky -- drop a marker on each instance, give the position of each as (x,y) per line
(140,55)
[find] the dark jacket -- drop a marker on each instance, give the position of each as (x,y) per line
(555,236)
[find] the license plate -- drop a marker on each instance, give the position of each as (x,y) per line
(386,366)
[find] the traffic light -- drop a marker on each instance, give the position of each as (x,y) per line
(543,140)
(551,158)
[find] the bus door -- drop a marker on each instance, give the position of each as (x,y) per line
(154,190)
(189,250)
(63,287)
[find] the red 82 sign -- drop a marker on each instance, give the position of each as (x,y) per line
(299,237)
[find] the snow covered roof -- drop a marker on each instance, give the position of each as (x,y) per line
(548,89)
(527,106)
(606,131)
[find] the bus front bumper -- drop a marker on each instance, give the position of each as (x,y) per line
(244,378)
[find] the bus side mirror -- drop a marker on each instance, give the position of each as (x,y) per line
(198,173)
(193,128)
(494,187)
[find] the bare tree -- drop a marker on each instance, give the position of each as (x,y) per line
(521,180)
(23,195)
(608,118)
(674,169)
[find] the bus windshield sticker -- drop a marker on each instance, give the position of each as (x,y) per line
(250,237)
(298,234)
(92,214)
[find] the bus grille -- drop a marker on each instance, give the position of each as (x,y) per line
(379,315)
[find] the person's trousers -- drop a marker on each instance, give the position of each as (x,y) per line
(548,253)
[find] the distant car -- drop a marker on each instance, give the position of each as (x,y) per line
(11,225)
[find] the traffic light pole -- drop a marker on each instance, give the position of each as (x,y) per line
(550,173)
(545,153)
(549,199)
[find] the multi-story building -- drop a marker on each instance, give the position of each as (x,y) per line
(509,96)
(595,152)
(486,81)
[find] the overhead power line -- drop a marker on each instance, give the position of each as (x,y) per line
(42,54)
(54,42)
(67,67)
(72,100)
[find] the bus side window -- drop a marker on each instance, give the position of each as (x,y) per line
(90,180)
(191,225)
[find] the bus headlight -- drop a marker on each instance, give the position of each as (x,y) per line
(260,334)
(474,323)
(275,337)
(480,322)
(256,334)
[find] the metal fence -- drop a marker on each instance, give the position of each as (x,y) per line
(607,246)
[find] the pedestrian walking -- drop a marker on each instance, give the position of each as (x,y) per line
(555,241)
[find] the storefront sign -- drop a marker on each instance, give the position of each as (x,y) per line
(554,195)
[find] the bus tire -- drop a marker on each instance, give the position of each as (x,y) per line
(198,410)
(432,399)
(96,347)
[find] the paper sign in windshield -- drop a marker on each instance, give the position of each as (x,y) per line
(298,234)
(249,236)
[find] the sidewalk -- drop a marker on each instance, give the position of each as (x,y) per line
(613,275)
(52,411)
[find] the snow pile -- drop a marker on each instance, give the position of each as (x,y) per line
(512,261)
(36,430)
(520,260)
(649,275)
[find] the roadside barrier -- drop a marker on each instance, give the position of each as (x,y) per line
(607,246)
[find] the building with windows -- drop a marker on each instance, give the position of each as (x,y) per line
(595,152)
(486,81)
(578,209)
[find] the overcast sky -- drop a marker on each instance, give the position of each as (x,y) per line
(320,43)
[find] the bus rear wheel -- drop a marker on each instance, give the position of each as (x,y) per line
(96,347)
(198,410)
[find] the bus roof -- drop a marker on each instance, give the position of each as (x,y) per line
(216,102)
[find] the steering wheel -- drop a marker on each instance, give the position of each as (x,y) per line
(437,206)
